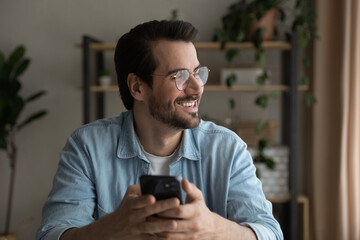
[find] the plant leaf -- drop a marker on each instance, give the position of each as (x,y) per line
(35,96)
(309,99)
(261,79)
(304,81)
(16,55)
(232,103)
(262,101)
(32,118)
(231,54)
(3,144)
(2,62)
(21,67)
(231,79)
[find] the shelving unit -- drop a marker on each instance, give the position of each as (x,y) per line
(289,88)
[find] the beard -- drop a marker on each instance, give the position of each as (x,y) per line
(170,116)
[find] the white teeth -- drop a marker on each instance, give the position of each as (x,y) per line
(189,104)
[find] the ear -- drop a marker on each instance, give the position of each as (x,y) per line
(136,86)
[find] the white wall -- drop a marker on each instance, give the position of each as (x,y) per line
(50,29)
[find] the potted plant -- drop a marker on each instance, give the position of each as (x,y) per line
(105,78)
(11,106)
(244,21)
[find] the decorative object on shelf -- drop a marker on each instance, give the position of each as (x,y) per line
(11,106)
(272,169)
(105,78)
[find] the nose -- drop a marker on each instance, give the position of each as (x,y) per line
(194,85)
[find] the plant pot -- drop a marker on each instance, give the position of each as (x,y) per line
(11,236)
(105,81)
(267,21)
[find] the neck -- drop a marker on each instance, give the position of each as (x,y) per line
(156,138)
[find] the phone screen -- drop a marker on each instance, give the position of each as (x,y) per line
(162,187)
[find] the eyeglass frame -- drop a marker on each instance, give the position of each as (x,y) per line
(185,70)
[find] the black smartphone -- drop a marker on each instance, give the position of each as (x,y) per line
(162,187)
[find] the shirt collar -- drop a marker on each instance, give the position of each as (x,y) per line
(129,146)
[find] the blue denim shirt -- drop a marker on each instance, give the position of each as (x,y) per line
(100,160)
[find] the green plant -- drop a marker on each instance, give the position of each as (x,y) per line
(11,106)
(235,28)
(305,27)
(261,158)
(105,72)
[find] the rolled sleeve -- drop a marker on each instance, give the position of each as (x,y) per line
(72,200)
(247,204)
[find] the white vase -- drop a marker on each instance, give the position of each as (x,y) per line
(105,81)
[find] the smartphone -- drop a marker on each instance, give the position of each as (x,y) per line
(162,187)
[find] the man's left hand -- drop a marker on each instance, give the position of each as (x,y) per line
(194,219)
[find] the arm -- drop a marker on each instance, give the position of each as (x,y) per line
(71,209)
(129,220)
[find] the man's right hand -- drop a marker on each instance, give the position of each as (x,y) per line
(129,220)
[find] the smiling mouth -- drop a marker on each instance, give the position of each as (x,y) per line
(188,104)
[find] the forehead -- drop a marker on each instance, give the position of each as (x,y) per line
(170,55)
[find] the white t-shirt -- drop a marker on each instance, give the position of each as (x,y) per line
(160,165)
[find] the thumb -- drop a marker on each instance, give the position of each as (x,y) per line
(133,190)
(192,192)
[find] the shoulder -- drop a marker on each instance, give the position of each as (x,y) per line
(211,129)
(211,134)
(103,127)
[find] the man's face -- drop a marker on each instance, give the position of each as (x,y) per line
(167,104)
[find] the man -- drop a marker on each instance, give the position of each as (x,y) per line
(96,194)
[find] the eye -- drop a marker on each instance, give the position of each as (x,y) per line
(174,76)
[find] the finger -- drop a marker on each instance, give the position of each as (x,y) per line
(192,192)
(140,202)
(185,211)
(156,226)
(133,190)
(158,206)
(135,199)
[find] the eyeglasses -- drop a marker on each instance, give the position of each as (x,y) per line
(181,77)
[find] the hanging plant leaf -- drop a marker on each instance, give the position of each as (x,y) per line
(309,99)
(231,79)
(261,79)
(304,81)
(306,62)
(231,54)
(232,103)
(262,101)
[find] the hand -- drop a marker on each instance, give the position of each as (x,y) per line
(193,220)
(129,220)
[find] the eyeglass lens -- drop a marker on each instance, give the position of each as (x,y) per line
(183,76)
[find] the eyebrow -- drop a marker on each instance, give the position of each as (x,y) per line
(179,69)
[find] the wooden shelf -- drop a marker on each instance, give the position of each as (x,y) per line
(279,45)
(218,88)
